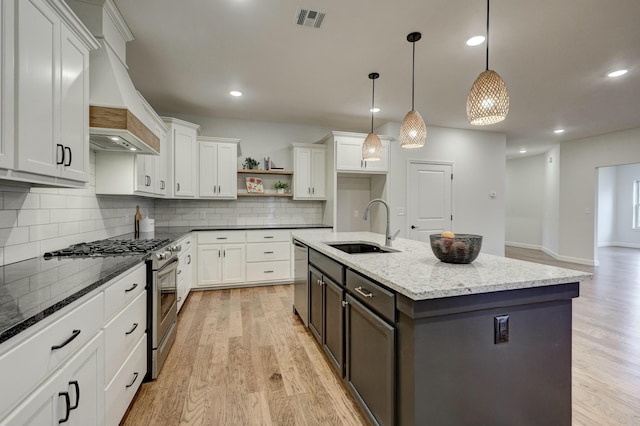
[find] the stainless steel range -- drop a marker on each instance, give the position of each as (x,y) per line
(162,280)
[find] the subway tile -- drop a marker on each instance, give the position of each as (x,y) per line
(21,201)
(13,236)
(8,218)
(20,252)
(43,232)
(52,201)
(69,215)
(33,217)
(68,228)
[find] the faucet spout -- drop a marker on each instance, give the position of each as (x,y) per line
(387,237)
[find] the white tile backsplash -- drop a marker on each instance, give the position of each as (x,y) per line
(36,220)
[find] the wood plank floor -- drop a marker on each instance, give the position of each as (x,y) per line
(242,358)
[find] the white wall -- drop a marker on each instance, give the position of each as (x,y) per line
(478,159)
(551,216)
(525,201)
(626,236)
(36,220)
(258,138)
(578,185)
(606,206)
(353,195)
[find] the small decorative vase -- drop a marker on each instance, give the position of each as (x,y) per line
(280,190)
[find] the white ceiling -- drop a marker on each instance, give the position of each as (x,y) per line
(554,56)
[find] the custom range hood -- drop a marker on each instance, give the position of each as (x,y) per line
(118,117)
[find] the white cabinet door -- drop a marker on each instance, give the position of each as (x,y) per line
(37,88)
(302,173)
(208,155)
(309,175)
(218,176)
(221,264)
(233,264)
(209,265)
(75,111)
(73,395)
(349,156)
(184,148)
(160,163)
(318,179)
(6,85)
(227,170)
(145,176)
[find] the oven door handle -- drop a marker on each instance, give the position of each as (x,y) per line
(168,268)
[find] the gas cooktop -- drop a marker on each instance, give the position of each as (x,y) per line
(109,248)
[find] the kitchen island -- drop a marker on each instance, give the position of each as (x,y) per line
(418,341)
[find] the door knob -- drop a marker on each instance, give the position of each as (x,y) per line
(413,227)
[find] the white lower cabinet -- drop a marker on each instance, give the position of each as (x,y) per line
(231,258)
(185,270)
(120,392)
(73,395)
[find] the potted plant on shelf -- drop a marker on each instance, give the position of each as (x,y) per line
(281,187)
(250,163)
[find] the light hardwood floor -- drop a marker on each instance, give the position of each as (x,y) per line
(242,358)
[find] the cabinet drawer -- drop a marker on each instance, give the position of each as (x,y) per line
(125,289)
(123,387)
(122,333)
(221,237)
(186,241)
(372,294)
(261,252)
(268,236)
(269,271)
(34,359)
(328,266)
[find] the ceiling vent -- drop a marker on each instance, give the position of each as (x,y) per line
(309,18)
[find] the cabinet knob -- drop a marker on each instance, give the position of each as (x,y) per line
(344,303)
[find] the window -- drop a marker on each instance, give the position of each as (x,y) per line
(636,204)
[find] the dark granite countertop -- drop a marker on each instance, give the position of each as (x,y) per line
(33,289)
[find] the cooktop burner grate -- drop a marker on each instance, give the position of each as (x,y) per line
(109,248)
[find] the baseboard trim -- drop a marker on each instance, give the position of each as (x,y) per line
(581,261)
(522,245)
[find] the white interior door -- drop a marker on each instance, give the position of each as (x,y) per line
(429,199)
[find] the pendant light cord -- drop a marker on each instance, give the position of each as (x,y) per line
(413,76)
(373,96)
(487,63)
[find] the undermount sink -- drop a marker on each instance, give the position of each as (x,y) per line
(361,248)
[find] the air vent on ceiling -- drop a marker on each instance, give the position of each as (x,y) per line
(309,18)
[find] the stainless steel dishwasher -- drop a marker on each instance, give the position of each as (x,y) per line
(300,283)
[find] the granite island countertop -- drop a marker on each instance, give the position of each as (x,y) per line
(415,272)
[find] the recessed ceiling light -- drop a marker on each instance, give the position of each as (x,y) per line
(114,138)
(523,151)
(617,73)
(374,109)
(475,40)
(558,131)
(235,93)
(132,149)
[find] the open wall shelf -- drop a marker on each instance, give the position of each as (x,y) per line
(265,172)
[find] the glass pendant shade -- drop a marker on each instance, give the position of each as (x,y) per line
(488,100)
(372,148)
(413,131)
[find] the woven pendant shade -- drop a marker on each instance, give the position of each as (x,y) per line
(413,131)
(488,100)
(372,148)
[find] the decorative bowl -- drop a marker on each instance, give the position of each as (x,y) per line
(464,248)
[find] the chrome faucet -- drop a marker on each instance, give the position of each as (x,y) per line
(387,236)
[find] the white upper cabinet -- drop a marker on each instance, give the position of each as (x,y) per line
(183,165)
(49,63)
(218,176)
(309,171)
(349,155)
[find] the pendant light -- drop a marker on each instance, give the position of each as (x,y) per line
(413,131)
(372,147)
(488,100)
